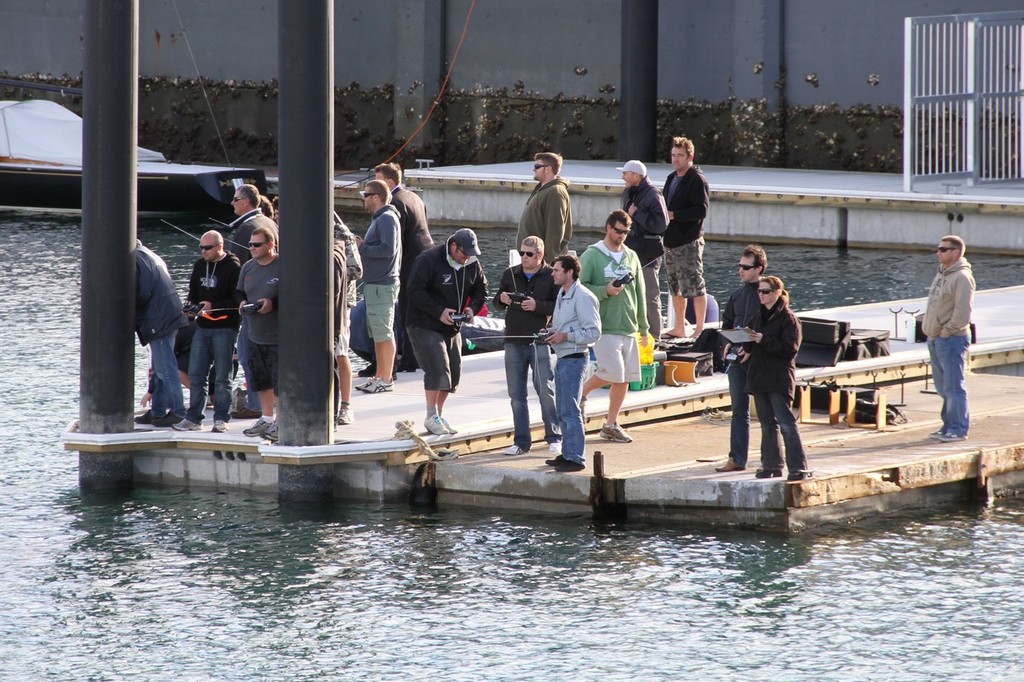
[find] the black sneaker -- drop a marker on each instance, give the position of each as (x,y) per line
(145,418)
(557,461)
(169,419)
(568,466)
(768,473)
(368,371)
(799,476)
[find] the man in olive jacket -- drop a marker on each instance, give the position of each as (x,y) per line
(548,213)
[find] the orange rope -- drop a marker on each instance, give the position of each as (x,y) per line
(444,85)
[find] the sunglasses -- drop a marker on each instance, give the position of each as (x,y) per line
(746,267)
(370,194)
(539,165)
(618,231)
(207,247)
(256,245)
(944,249)
(234,199)
(765,292)
(526,254)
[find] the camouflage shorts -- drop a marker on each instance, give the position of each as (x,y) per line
(684,268)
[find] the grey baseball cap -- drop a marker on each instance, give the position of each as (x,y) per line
(634,167)
(465,239)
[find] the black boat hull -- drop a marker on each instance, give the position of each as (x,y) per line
(162,188)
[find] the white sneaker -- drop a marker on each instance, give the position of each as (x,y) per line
(376,385)
(345,416)
(447,426)
(259,428)
(513,450)
(434,425)
(271,433)
(555,448)
(219,426)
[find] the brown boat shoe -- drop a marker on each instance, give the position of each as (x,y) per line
(730,465)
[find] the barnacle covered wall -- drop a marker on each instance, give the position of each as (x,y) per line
(483,125)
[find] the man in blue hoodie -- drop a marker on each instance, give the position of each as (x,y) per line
(381,254)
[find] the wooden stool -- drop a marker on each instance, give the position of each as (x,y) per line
(878,397)
(805,407)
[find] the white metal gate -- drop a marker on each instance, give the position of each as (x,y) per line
(963,113)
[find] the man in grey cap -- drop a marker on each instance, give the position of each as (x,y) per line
(645,205)
(446,288)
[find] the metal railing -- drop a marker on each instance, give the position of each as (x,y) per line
(963,113)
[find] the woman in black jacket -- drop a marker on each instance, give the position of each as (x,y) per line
(771,379)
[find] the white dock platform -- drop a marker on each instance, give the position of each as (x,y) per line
(667,468)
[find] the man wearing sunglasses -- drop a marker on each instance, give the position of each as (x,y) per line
(212,286)
(381,254)
(741,309)
(947,324)
(258,286)
(527,292)
(246,205)
(548,213)
(611,271)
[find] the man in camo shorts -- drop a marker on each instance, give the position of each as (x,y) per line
(686,194)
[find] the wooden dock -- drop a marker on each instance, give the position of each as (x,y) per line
(680,434)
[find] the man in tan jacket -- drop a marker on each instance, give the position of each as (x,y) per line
(947,324)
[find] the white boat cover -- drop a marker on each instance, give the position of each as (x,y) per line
(40,130)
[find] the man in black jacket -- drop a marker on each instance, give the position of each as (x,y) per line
(527,292)
(212,288)
(645,205)
(158,318)
(447,280)
(741,309)
(415,233)
(686,194)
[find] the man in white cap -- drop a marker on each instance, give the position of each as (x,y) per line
(447,287)
(645,205)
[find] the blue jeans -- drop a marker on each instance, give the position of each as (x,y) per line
(166,381)
(210,346)
(774,413)
(739,428)
(521,358)
(252,397)
(949,359)
(568,389)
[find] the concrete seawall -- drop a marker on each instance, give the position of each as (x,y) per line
(769,205)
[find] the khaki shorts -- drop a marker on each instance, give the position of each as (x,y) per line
(380,310)
(344,335)
(618,358)
(684,269)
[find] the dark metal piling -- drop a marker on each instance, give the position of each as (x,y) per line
(639,78)
(306,159)
(108,236)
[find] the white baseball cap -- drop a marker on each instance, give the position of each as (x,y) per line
(637,167)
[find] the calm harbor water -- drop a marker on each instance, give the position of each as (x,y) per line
(200,586)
